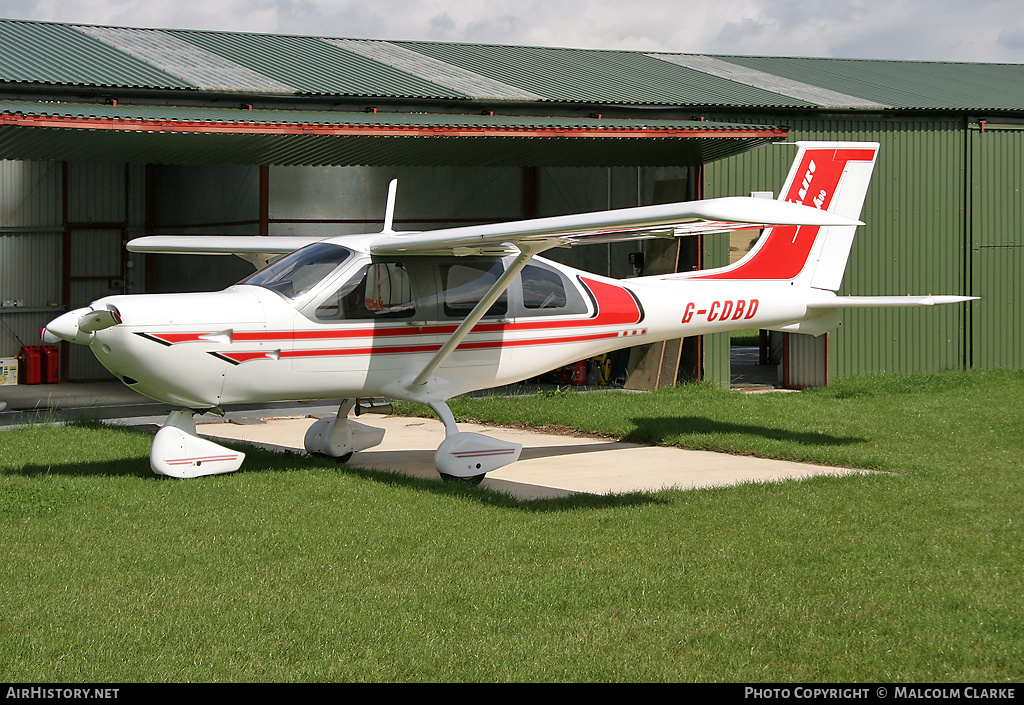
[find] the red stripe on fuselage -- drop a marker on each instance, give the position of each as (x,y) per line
(201,459)
(615,305)
(246,356)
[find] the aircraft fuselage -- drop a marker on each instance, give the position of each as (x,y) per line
(251,344)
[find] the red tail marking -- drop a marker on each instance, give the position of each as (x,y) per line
(784,253)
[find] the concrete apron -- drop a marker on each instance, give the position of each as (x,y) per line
(550,465)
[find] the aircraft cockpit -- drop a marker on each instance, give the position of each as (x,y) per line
(301,271)
(328,282)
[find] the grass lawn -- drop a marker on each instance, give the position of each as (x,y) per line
(301,570)
(747,336)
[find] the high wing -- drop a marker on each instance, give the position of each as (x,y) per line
(529,237)
(219,244)
(667,220)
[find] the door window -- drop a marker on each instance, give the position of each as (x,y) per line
(467,282)
(380,290)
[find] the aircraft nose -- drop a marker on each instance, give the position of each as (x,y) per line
(78,326)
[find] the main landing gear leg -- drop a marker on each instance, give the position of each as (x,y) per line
(467,457)
(178,451)
(339,437)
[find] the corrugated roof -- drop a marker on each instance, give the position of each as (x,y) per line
(259,64)
(457,78)
(39,52)
(593,76)
(812,94)
(905,84)
(197,115)
(313,66)
(45,143)
(201,68)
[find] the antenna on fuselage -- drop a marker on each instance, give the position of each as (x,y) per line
(389,211)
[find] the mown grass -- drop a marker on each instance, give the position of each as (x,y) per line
(300,570)
(746,336)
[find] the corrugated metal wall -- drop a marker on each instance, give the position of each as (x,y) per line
(62,233)
(805,360)
(31,232)
(915,240)
(97,213)
(997,233)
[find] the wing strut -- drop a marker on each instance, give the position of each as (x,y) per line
(526,251)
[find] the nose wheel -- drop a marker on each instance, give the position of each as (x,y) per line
(468,457)
(471,480)
(339,437)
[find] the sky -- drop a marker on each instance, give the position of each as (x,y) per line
(929,30)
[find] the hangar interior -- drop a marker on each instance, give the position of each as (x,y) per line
(111,133)
(71,220)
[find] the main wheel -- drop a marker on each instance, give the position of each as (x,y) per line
(471,480)
(338,459)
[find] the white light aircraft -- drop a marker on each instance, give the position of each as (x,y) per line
(427,316)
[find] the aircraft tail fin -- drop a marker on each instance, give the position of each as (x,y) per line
(832,176)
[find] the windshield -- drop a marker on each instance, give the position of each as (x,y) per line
(297,273)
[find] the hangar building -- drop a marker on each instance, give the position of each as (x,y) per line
(110,133)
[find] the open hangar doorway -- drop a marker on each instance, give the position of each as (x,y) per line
(247,179)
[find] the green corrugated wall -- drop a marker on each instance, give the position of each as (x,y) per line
(916,239)
(997,233)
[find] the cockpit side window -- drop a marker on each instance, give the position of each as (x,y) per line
(379,290)
(297,273)
(467,282)
(547,292)
(542,288)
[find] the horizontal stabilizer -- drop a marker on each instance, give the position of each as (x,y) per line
(888,301)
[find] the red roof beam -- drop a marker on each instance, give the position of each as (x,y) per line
(93,123)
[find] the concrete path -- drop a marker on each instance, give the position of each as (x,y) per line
(550,465)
